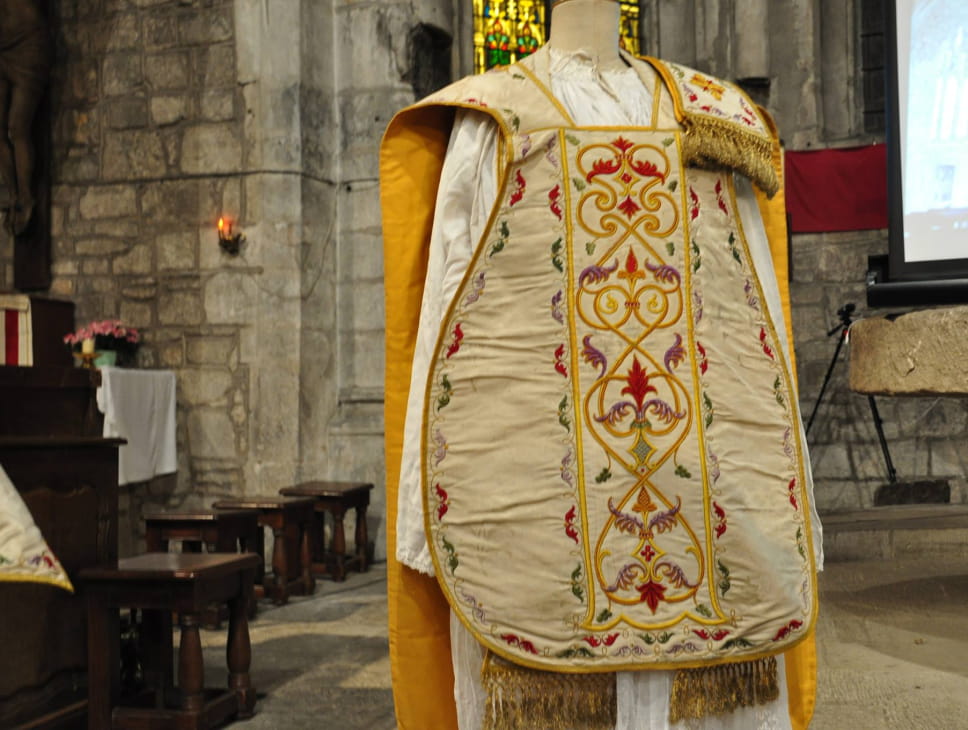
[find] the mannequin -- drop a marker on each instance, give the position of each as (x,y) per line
(591,26)
(585,36)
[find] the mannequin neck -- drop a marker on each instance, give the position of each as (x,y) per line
(591,26)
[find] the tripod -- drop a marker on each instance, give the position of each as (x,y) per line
(846,314)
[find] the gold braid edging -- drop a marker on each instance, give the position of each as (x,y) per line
(712,144)
(717,690)
(519,698)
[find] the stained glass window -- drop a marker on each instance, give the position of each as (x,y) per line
(508,30)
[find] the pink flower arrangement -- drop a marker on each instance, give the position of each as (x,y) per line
(108,334)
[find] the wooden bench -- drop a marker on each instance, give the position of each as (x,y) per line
(336,498)
(291,522)
(228,531)
(159,584)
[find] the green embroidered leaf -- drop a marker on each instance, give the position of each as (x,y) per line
(697,256)
(703,610)
(604,616)
(708,407)
(603,476)
(664,637)
(647,638)
(733,643)
(444,397)
(668,141)
(778,392)
(673,184)
(671,248)
(497,247)
(724,584)
(802,552)
(573,139)
(590,247)
(576,651)
(514,118)
(452,561)
(576,586)
(562,414)
(556,246)
(681,471)
(555,258)
(519,77)
(578,183)
(505,231)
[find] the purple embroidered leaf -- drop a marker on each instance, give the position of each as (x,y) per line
(616,413)
(664,273)
(441,450)
(787,446)
(714,467)
(663,411)
(594,356)
(675,574)
(687,647)
(675,354)
(697,306)
(566,469)
(625,522)
(478,288)
(596,274)
(665,521)
(626,578)
(556,312)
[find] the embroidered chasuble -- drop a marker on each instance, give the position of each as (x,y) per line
(612,462)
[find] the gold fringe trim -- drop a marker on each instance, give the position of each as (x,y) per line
(519,698)
(717,690)
(713,144)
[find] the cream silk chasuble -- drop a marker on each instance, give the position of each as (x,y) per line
(602,472)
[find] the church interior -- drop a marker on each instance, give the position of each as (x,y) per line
(206,177)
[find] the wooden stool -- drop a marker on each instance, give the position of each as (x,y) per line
(160,583)
(336,498)
(291,522)
(228,531)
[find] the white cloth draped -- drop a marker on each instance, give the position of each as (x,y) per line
(139,406)
(467,192)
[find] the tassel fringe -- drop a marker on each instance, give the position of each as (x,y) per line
(714,145)
(519,698)
(721,689)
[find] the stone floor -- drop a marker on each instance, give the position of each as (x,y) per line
(892,642)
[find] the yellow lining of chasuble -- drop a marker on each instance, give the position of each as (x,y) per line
(63,583)
(418,616)
(804,508)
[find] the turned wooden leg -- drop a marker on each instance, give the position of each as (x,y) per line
(191,669)
(280,566)
(361,538)
(238,651)
(339,546)
(306,558)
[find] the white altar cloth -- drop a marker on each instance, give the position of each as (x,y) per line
(139,405)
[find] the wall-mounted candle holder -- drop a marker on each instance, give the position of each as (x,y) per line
(228,241)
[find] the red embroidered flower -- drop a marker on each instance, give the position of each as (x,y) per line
(629,207)
(623,144)
(648,553)
(602,167)
(570,529)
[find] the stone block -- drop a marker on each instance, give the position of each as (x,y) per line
(171,200)
(133,155)
(211,148)
(204,386)
(831,460)
(364,116)
(136,261)
(231,298)
(168,71)
(180,308)
(160,31)
(211,434)
(218,105)
(129,228)
(215,66)
(95,266)
(212,350)
(108,201)
(141,291)
(128,113)
(176,250)
(82,81)
(917,354)
(59,286)
(99,246)
(205,26)
(168,109)
(137,314)
(122,74)
(379,34)
(122,33)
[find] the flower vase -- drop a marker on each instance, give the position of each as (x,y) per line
(106,358)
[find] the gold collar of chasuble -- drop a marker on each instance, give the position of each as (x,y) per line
(612,466)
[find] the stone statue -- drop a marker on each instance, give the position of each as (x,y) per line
(25,58)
